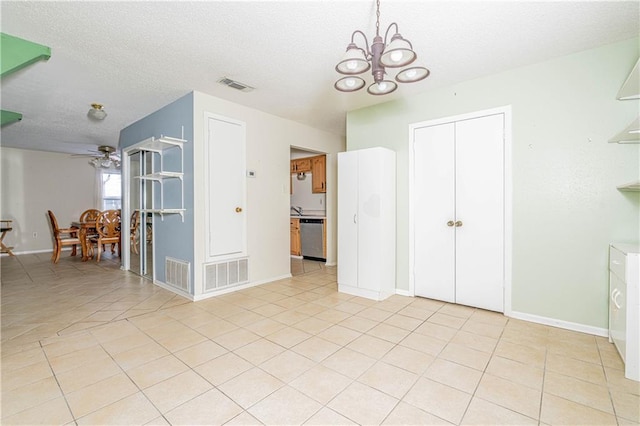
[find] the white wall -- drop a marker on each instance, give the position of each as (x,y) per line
(566,208)
(34,182)
(269,139)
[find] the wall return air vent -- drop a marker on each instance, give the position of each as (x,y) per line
(235,84)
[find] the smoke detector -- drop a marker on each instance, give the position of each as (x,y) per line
(235,84)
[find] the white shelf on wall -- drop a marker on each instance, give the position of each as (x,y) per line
(631,186)
(159,146)
(631,134)
(631,87)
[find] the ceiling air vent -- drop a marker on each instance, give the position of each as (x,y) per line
(235,84)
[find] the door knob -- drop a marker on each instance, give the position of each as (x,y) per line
(238,209)
(450,223)
(458,223)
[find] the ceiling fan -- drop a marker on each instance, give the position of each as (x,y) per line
(103,158)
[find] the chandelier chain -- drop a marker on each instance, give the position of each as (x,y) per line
(377,17)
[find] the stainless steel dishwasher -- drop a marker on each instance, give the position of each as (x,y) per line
(311,238)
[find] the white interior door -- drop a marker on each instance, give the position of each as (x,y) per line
(480,210)
(226,187)
(347,218)
(434,212)
(459,180)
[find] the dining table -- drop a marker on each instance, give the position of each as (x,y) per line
(84,229)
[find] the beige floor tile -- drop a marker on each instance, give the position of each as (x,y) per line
(210,408)
(577,350)
(243,419)
(286,406)
(388,332)
(455,375)
(28,396)
(134,409)
(87,374)
(404,322)
(236,339)
(618,382)
(516,372)
(406,414)
(74,359)
(440,400)
(465,356)
(481,412)
(313,325)
(475,341)
(140,355)
(250,387)
(328,417)
(363,404)
(100,395)
(200,353)
(386,378)
(127,342)
(350,307)
(488,317)
(61,345)
(288,337)
(483,329)
(269,310)
(626,405)
(287,366)
(374,314)
(259,351)
(177,390)
(560,411)
(408,359)
(316,348)
(359,324)
(321,383)
(576,390)
(371,346)
(427,344)
(438,331)
(216,328)
(611,359)
(310,309)
(460,311)
(156,371)
(582,370)
(447,320)
(223,368)
(16,378)
(516,397)
(349,363)
(265,327)
(535,357)
(54,411)
(416,312)
(339,335)
(245,318)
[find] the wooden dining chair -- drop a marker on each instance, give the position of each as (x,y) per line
(62,237)
(134,224)
(108,231)
(89,215)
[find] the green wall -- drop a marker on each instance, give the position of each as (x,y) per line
(566,208)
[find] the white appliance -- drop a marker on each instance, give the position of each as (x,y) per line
(459,210)
(367,223)
(624,305)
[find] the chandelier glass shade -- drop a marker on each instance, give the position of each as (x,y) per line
(97,112)
(377,57)
(105,163)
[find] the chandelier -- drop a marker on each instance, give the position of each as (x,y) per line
(97,112)
(377,57)
(105,163)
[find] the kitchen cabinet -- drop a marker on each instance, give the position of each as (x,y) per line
(458,206)
(301,165)
(367,223)
(294,225)
(624,305)
(318,174)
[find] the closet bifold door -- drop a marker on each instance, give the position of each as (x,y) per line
(434,152)
(480,210)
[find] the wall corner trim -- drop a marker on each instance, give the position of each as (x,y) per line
(567,325)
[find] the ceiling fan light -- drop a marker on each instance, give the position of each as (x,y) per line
(97,112)
(398,53)
(413,74)
(383,87)
(353,62)
(349,84)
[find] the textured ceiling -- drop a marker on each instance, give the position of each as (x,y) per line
(135,57)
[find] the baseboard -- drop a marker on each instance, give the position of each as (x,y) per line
(36,251)
(238,287)
(402,292)
(567,325)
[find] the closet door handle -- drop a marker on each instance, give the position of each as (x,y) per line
(450,223)
(458,223)
(615,299)
(354,218)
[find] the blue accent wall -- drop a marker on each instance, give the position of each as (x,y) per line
(171,236)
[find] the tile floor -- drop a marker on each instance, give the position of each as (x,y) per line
(87,343)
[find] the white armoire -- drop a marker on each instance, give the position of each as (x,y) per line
(458,209)
(367,223)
